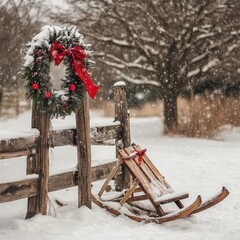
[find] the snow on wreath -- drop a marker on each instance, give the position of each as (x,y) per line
(58,44)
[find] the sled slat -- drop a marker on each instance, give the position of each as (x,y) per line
(144,183)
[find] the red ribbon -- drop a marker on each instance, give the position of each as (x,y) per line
(139,153)
(58,53)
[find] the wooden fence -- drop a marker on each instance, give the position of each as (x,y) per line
(38,183)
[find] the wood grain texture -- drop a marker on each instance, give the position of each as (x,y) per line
(147,219)
(28,187)
(8,155)
(143,181)
(84,153)
(57,138)
(33,165)
(17,144)
(18,190)
(122,114)
(43,163)
(213,200)
(110,176)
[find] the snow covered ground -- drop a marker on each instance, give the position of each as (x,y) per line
(198,166)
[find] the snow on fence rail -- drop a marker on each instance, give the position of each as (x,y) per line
(35,146)
(21,146)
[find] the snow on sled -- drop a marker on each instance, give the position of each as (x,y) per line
(148,185)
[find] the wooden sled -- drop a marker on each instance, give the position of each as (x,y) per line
(148,184)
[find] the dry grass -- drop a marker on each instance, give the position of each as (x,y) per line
(199,117)
(203,116)
(147,110)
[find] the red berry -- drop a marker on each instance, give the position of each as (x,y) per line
(72,87)
(48,94)
(35,86)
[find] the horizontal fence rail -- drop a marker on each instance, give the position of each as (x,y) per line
(17,147)
(25,188)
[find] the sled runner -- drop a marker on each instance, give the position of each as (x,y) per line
(148,185)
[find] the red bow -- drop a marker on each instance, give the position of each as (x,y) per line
(139,153)
(58,52)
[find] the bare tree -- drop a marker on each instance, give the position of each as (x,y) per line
(18,22)
(169,44)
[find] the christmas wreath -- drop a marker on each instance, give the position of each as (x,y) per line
(55,44)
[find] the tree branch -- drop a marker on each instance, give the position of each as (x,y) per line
(141,80)
(120,64)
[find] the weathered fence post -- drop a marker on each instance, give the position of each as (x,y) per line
(38,162)
(84,153)
(33,167)
(122,114)
(43,162)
